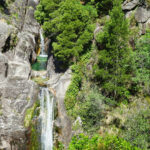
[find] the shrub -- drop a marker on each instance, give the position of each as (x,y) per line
(137,129)
(83,142)
(91,107)
(74,87)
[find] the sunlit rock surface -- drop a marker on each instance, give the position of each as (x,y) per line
(18,35)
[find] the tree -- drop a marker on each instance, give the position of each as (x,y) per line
(137,129)
(69,24)
(70,27)
(103,6)
(113,69)
(142,64)
(45,8)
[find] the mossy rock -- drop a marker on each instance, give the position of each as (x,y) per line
(40,81)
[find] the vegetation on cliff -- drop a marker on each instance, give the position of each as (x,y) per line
(109,73)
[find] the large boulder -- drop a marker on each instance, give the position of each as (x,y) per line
(130,5)
(142,15)
(58,85)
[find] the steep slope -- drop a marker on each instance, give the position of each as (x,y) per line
(18,36)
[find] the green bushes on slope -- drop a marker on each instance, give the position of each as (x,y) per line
(83,142)
(73,89)
(137,129)
(142,65)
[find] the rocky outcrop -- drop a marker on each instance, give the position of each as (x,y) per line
(58,85)
(19,32)
(140,11)
(142,14)
(129,5)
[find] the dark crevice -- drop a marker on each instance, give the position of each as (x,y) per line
(6,72)
(60,66)
(7,45)
(4,6)
(30,58)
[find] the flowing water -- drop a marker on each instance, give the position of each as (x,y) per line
(41,63)
(42,46)
(46,113)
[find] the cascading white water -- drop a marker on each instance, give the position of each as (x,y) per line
(46,113)
(42,46)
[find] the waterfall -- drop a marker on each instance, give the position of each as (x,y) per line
(46,113)
(42,45)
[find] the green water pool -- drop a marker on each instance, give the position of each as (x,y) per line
(40,64)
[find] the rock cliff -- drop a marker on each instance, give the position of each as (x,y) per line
(18,34)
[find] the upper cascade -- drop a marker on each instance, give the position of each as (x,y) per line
(42,45)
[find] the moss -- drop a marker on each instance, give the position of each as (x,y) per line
(148,99)
(41,81)
(15,15)
(148,3)
(28,98)
(1,113)
(34,145)
(33,137)
(29,115)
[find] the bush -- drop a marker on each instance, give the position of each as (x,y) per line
(83,142)
(137,129)
(91,107)
(73,89)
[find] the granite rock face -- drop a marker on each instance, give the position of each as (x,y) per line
(18,40)
(130,5)
(58,85)
(141,12)
(142,15)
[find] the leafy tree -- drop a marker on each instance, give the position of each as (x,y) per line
(137,129)
(91,108)
(142,64)
(113,68)
(70,26)
(45,8)
(102,6)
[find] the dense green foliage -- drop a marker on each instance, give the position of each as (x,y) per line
(74,87)
(83,142)
(137,129)
(113,67)
(105,69)
(70,26)
(91,106)
(102,6)
(142,64)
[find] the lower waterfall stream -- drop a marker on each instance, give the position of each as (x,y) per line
(47,115)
